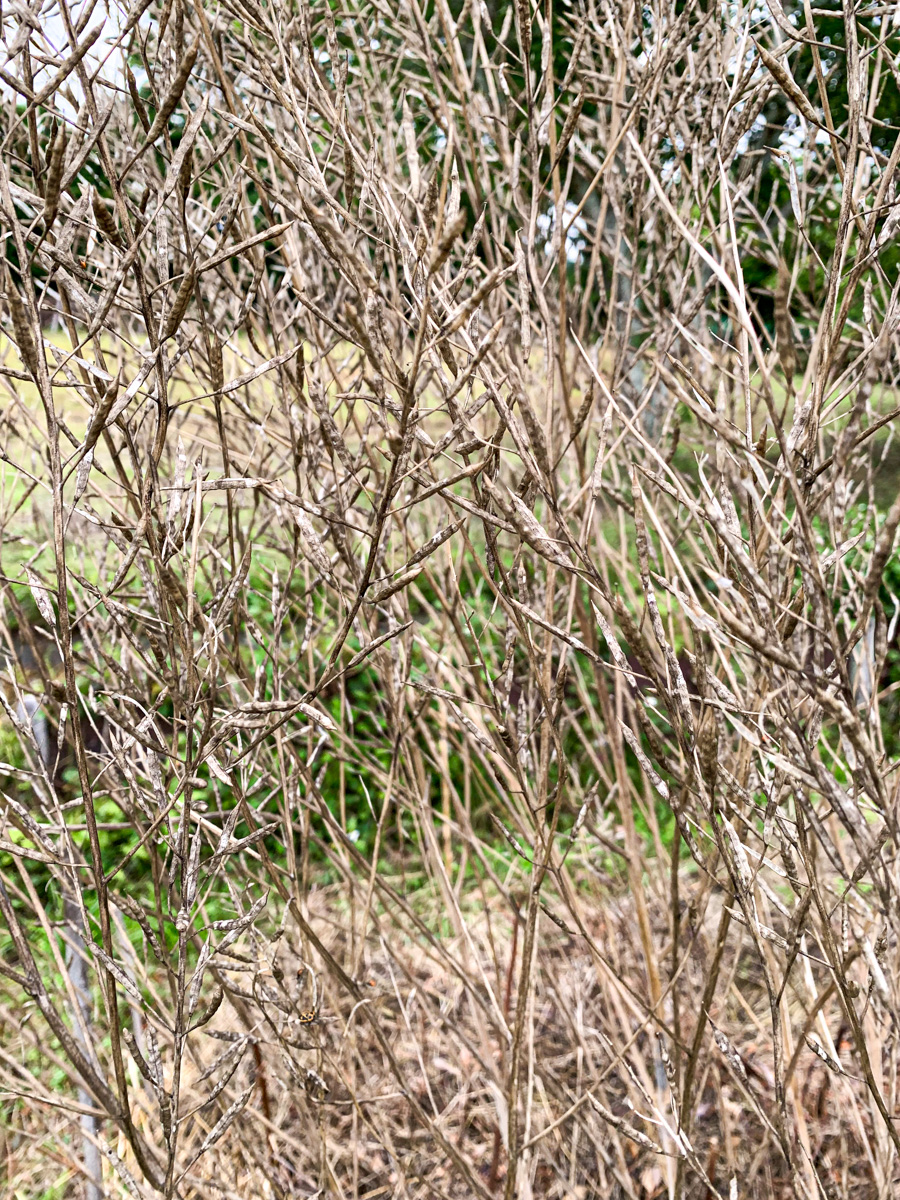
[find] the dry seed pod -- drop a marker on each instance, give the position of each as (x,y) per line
(170,103)
(431,198)
(349,175)
(584,409)
(746,118)
(821,1053)
(54,177)
(434,542)
(365,341)
(739,854)
(330,431)
(622,1125)
(708,749)
(136,99)
(543,119)
(600,460)
(468,255)
(376,329)
(655,778)
(538,443)
(142,1064)
(55,131)
(185,176)
(101,413)
(442,250)
(82,475)
(668,1065)
(216,365)
(464,311)
(21,326)
(412,153)
(449,358)
(483,347)
(568,128)
(784,337)
(211,1009)
(523,16)
(614,648)
(134,910)
(395,585)
(731,1055)
(764,931)
(312,542)
(787,83)
(106,222)
(524,302)
(182,300)
(164,20)
(675,439)
(454,198)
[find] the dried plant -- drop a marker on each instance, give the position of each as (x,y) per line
(448,514)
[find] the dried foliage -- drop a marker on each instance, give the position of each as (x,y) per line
(446,604)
